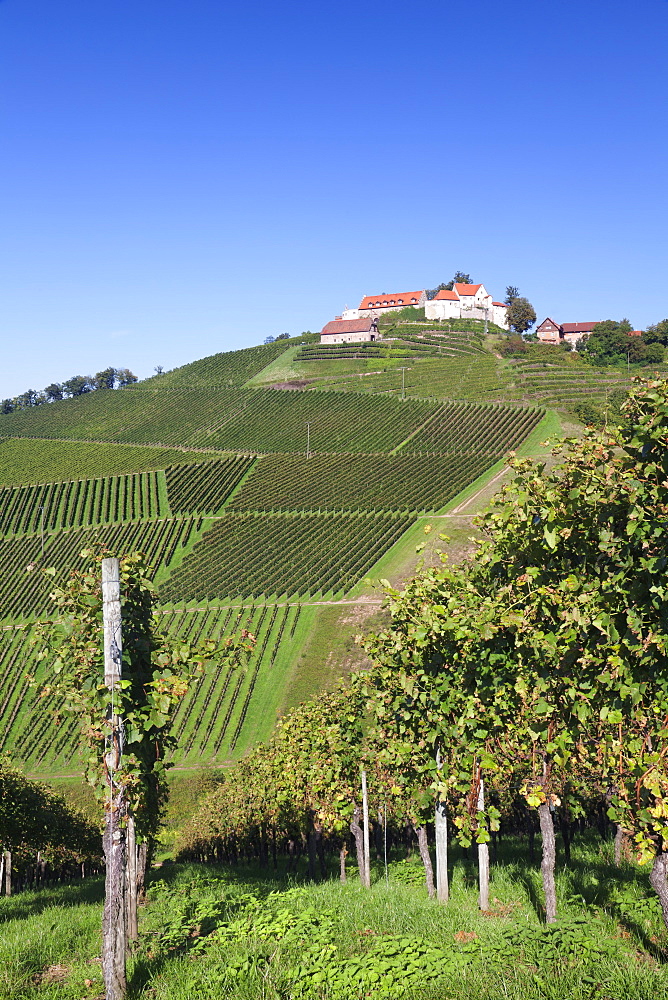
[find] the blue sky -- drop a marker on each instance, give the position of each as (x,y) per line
(184,178)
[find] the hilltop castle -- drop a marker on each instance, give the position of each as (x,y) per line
(461,302)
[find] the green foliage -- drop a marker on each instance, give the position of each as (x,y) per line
(283,554)
(550,649)
(155,677)
(609,343)
(33,818)
(521,315)
(657,333)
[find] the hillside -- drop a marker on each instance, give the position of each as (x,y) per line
(205,470)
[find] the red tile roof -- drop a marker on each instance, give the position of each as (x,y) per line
(466,289)
(346,326)
(504,304)
(635,333)
(397,300)
(577,327)
(446,294)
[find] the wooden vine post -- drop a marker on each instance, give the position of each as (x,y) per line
(366,881)
(483,853)
(114,917)
(441,830)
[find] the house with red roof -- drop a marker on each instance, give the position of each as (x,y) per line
(375,305)
(466,302)
(349,331)
(550,332)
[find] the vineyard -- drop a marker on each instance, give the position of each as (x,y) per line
(132,415)
(28,509)
(491,430)
(277,554)
(223,713)
(24,591)
(232,368)
(282,483)
(270,420)
(211,481)
(29,460)
(204,488)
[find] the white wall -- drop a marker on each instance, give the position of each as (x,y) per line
(345,338)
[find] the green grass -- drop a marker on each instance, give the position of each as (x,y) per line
(255,935)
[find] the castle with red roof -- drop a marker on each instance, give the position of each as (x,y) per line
(461,302)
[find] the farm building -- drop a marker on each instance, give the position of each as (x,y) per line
(550,332)
(349,331)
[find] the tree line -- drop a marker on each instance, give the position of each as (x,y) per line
(78,385)
(524,690)
(611,343)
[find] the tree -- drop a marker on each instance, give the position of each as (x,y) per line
(105,379)
(283,336)
(550,647)
(460,278)
(125,377)
(78,385)
(521,315)
(53,392)
(512,293)
(657,333)
(269,340)
(7,406)
(610,343)
(26,399)
(158,369)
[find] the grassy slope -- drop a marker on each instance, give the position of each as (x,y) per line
(50,941)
